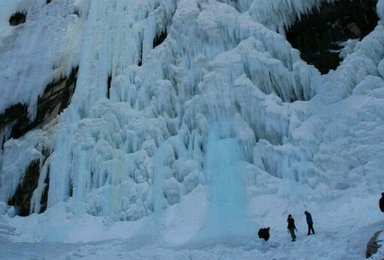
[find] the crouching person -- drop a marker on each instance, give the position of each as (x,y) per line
(264,233)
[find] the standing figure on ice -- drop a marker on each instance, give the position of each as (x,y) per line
(309,222)
(291,227)
(381,202)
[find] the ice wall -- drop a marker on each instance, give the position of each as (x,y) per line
(228,212)
(135,138)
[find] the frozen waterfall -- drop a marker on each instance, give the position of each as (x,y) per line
(227,213)
(159,81)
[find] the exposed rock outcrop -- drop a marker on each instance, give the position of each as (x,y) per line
(372,245)
(21,200)
(17,18)
(159,39)
(319,35)
(15,122)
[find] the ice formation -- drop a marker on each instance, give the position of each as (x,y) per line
(135,138)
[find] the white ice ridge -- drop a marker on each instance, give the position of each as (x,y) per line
(219,66)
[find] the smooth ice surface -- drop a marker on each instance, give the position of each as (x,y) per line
(227,197)
(219,130)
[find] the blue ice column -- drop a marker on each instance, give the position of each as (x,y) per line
(227,214)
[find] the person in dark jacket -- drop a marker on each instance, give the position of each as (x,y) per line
(264,233)
(381,202)
(291,227)
(309,222)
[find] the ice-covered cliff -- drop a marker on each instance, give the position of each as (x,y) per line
(170,96)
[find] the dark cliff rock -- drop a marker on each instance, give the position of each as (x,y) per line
(318,35)
(372,245)
(21,200)
(14,122)
(17,18)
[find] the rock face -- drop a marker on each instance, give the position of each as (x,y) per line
(372,245)
(14,123)
(17,18)
(21,200)
(319,35)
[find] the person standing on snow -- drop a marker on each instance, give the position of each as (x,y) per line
(291,227)
(309,222)
(381,202)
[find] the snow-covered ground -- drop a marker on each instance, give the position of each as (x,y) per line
(342,232)
(197,142)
